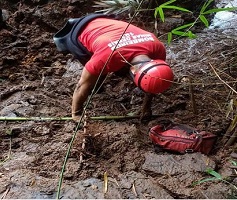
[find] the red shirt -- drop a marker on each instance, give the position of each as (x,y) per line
(100,37)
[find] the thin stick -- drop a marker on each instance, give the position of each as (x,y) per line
(232,139)
(222,80)
(67,155)
(234,135)
(105,182)
(5,193)
(86,105)
(134,189)
(83,142)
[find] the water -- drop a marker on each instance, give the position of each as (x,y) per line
(225,19)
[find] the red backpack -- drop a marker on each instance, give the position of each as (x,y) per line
(182,138)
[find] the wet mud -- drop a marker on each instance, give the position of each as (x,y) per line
(38,81)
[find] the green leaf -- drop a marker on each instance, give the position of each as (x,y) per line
(111,3)
(216,177)
(205,5)
(218,10)
(233,124)
(177,8)
(184,26)
(156,12)
(9,131)
(204,20)
(161,13)
(191,35)
(167,3)
(205,180)
(132,114)
(214,173)
(181,33)
(234,163)
(169,37)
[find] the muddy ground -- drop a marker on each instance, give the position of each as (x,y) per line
(37,81)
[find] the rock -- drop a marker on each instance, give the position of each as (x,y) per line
(8,111)
(74,69)
(1,20)
(178,173)
(142,187)
(85,189)
(215,190)
(4,15)
(177,164)
(129,185)
(16,109)
(233,155)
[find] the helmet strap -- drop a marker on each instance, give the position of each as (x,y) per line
(140,62)
(135,66)
(131,74)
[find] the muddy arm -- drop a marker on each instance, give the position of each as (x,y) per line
(82,91)
(146,106)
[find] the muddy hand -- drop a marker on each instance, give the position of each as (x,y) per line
(76,118)
(146,112)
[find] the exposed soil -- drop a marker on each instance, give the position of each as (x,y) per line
(38,81)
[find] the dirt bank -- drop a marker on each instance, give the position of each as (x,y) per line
(37,81)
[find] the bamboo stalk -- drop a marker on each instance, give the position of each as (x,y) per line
(83,142)
(69,118)
(35,118)
(227,138)
(232,139)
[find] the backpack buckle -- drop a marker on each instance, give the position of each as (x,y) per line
(189,151)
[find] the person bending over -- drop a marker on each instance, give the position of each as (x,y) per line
(104,45)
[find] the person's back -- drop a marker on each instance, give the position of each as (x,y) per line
(101,36)
(108,45)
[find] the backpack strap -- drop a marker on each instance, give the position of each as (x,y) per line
(187,129)
(66,39)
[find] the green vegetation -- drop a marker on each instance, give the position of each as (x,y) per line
(130,6)
(184,30)
(117,6)
(215,176)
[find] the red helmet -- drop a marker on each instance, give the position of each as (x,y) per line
(154,77)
